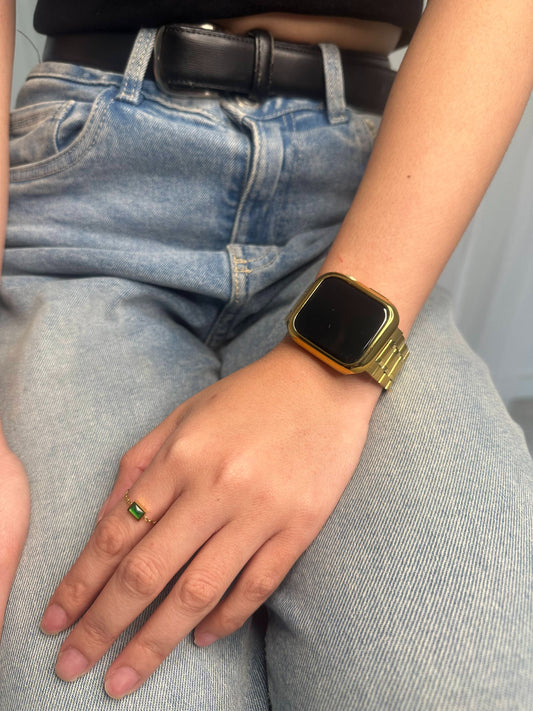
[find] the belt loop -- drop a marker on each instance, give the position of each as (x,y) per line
(334,83)
(130,90)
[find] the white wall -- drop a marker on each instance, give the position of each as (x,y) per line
(491,272)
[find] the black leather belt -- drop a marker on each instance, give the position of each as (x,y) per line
(188,57)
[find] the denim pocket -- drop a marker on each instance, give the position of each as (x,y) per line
(46,138)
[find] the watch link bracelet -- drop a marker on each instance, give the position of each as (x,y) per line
(350,327)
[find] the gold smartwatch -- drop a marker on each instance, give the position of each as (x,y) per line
(350,327)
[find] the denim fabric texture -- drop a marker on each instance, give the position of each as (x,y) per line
(155,244)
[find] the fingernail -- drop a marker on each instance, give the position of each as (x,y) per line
(71,664)
(121,681)
(54,619)
(204,639)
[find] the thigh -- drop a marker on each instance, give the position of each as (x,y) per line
(417,593)
(112,283)
(88,367)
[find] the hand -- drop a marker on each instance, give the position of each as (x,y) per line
(244,475)
(14,518)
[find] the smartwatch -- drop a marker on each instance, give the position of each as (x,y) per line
(350,327)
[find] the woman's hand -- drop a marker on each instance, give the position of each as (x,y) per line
(240,478)
(14,518)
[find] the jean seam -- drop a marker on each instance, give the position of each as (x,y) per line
(283,188)
(16,122)
(251,156)
(59,118)
(37,75)
(180,108)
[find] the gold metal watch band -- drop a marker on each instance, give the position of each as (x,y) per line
(389,360)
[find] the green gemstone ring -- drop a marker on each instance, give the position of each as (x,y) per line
(136,510)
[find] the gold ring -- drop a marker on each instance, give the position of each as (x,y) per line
(136,510)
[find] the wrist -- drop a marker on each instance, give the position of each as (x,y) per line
(350,327)
(300,366)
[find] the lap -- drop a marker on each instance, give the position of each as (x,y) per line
(416,593)
(88,369)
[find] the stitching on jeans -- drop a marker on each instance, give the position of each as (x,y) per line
(250,177)
(37,171)
(261,267)
(103,81)
(238,265)
(237,261)
(131,88)
(59,119)
(34,114)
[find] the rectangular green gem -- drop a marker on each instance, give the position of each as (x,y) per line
(136,511)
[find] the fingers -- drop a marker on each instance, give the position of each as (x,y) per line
(135,583)
(259,579)
(128,562)
(111,542)
(198,590)
(114,537)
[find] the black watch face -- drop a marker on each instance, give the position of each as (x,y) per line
(340,320)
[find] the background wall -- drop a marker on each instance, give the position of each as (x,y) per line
(491,272)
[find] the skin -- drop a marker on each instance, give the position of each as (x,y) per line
(345,32)
(447,124)
(15,500)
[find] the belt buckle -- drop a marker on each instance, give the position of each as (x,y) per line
(162,79)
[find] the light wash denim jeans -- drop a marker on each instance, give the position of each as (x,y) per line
(155,244)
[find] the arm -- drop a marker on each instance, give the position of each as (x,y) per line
(14,503)
(453,110)
(451,115)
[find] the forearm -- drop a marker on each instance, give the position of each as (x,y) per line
(455,105)
(7,24)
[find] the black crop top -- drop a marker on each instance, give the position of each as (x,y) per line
(54,17)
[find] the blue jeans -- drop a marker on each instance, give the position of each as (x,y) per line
(156,244)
